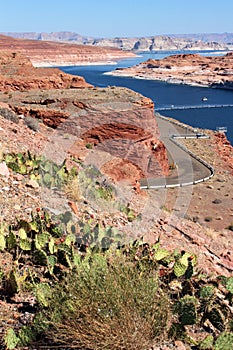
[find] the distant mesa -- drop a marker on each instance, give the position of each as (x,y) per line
(178,42)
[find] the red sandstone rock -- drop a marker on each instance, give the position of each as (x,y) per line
(131,135)
(224,150)
(18,73)
(49,117)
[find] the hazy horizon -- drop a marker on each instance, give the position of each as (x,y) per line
(115,37)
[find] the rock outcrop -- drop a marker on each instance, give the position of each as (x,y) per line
(191,69)
(18,73)
(224,150)
(47,53)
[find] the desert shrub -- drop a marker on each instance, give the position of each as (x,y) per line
(230,227)
(208,218)
(9,115)
(217,201)
(32,123)
(89,146)
(107,304)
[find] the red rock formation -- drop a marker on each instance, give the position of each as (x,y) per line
(130,136)
(114,120)
(49,117)
(133,143)
(18,73)
(224,150)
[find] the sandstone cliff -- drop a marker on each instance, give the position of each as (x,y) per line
(18,73)
(191,69)
(46,53)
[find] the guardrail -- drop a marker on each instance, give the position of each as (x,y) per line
(185,149)
(173,108)
(189,136)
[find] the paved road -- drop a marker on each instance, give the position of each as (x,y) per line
(188,169)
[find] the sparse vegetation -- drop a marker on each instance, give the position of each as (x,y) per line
(93,291)
(89,146)
(208,218)
(230,227)
(32,123)
(9,115)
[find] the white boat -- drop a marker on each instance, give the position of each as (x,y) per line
(204,99)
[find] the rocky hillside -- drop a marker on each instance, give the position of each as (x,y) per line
(115,120)
(191,69)
(114,131)
(46,53)
(152,43)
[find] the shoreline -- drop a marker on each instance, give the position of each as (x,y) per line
(146,77)
(50,64)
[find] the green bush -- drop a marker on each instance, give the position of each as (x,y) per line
(107,304)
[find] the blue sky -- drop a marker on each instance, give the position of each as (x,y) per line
(111,18)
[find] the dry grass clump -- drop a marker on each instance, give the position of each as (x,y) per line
(31,123)
(108,304)
(72,189)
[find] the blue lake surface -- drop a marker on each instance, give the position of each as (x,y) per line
(167,95)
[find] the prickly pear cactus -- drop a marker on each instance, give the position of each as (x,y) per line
(229,285)
(184,265)
(186,309)
(179,269)
(10,339)
(216,318)
(224,341)
(160,254)
(43,293)
(207,343)
(206,292)
(2,242)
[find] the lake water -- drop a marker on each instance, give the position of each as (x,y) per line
(167,95)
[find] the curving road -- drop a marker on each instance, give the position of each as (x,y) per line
(188,168)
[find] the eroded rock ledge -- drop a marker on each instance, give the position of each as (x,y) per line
(190,69)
